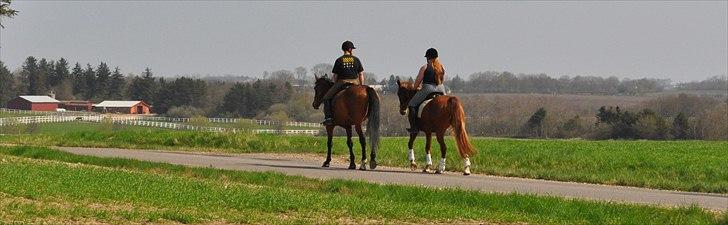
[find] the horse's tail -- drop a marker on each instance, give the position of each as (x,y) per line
(457,120)
(373,119)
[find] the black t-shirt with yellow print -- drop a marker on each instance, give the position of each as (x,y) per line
(347,67)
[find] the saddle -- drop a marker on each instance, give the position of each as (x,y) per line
(429,98)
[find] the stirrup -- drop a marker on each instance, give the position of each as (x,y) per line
(328,122)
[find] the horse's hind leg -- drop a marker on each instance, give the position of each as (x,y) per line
(428,157)
(411,151)
(350,143)
(329,144)
(443,152)
(363,143)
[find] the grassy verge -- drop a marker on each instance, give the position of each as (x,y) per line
(675,165)
(41,185)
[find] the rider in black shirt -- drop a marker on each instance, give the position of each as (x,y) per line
(347,69)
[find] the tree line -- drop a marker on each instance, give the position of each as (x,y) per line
(507,82)
(98,83)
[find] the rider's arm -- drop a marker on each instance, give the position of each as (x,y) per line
(420,76)
(334,77)
(361,78)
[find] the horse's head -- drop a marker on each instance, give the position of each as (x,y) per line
(405,92)
(321,86)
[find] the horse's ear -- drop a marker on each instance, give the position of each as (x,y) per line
(315,76)
(398,83)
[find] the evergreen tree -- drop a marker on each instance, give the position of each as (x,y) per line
(7,89)
(62,82)
(89,77)
(117,85)
(236,100)
(32,77)
(182,91)
(144,87)
(79,82)
(102,81)
(47,71)
(60,72)
(163,99)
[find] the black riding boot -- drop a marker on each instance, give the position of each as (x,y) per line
(412,116)
(328,113)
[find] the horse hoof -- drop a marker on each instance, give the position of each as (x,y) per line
(466,171)
(326,164)
(363,167)
(427,169)
(413,166)
(373,164)
(438,171)
(352,166)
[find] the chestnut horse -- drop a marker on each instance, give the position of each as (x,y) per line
(351,107)
(441,113)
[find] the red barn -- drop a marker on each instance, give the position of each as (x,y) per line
(77,105)
(34,103)
(125,107)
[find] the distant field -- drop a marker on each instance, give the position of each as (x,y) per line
(675,165)
(40,185)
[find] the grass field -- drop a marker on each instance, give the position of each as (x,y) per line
(41,185)
(14,114)
(674,165)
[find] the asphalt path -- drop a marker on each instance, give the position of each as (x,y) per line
(309,167)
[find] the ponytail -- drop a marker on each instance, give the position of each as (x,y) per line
(439,70)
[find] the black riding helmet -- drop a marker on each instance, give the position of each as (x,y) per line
(347,45)
(431,53)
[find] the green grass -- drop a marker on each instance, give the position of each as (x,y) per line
(41,185)
(15,114)
(676,165)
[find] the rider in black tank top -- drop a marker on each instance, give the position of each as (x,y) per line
(429,75)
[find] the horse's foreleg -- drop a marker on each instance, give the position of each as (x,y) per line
(329,144)
(428,157)
(411,151)
(443,152)
(363,143)
(350,143)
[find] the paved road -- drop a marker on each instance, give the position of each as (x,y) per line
(293,165)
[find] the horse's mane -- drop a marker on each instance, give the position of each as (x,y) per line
(325,79)
(407,85)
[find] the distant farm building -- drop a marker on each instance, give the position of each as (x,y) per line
(125,107)
(77,105)
(34,103)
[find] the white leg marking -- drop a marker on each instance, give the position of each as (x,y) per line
(441,167)
(428,159)
(411,155)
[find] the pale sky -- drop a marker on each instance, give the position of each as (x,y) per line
(681,41)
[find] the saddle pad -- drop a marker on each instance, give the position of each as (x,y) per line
(422,107)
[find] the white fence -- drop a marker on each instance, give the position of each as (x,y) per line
(144,121)
(231,120)
(57,113)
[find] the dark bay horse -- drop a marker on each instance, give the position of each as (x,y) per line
(351,107)
(438,115)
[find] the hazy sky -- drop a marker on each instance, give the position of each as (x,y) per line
(677,40)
